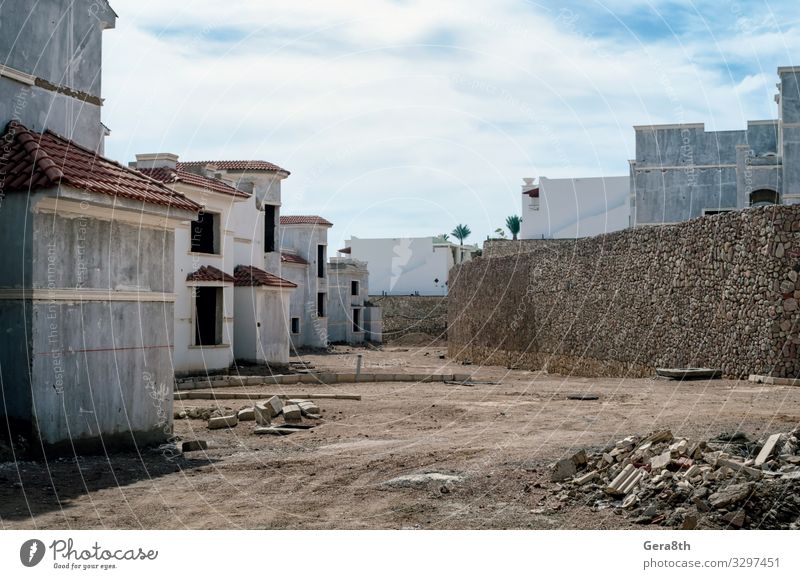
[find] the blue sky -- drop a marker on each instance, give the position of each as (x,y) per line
(407,117)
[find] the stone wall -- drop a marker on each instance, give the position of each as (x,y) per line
(718,291)
(420,315)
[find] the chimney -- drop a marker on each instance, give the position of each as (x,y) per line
(156,161)
(528,185)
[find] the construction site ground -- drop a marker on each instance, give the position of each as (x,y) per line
(407,455)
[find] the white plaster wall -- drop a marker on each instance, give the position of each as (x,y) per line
(273,345)
(189,358)
(578,207)
(303,240)
(403,266)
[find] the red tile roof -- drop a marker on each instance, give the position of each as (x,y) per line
(293,258)
(532,192)
(346,250)
(209,273)
(32,161)
(305,220)
(235,165)
(169,176)
(248,275)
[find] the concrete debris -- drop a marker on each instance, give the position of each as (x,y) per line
(218,422)
(292,413)
(731,481)
(275,430)
(262,413)
(411,480)
(193,445)
(246,414)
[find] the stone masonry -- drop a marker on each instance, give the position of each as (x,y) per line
(718,291)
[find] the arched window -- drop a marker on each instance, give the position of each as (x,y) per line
(763,197)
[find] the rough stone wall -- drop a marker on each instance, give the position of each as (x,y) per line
(404,315)
(719,291)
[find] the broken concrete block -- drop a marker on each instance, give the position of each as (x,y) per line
(193,445)
(276,404)
(563,470)
(586,478)
(274,430)
(660,462)
(292,413)
(767,449)
(736,466)
(246,414)
(625,481)
(262,413)
(309,408)
(222,422)
(730,495)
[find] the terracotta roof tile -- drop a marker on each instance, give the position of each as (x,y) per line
(293,258)
(305,220)
(169,176)
(209,273)
(248,276)
(34,161)
(235,165)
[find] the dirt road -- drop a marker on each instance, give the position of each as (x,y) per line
(426,455)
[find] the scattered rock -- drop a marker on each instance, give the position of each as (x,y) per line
(292,413)
(218,422)
(193,445)
(246,414)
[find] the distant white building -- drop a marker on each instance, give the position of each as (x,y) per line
(577,207)
(408,265)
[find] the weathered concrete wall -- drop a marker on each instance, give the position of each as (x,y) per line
(86,355)
(720,291)
(59,44)
(404,315)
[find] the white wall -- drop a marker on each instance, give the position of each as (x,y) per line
(403,266)
(188,357)
(579,207)
(341,302)
(303,240)
(262,324)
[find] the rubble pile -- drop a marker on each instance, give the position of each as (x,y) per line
(264,412)
(730,481)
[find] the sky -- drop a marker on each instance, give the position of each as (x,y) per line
(407,117)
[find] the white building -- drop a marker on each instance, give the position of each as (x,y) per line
(229,306)
(304,249)
(408,265)
(351,318)
(578,207)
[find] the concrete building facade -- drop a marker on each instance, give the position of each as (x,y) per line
(683,171)
(352,319)
(86,285)
(230,306)
(304,247)
(574,207)
(409,265)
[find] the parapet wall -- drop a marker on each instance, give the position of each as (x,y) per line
(719,291)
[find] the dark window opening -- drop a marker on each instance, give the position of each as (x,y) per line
(204,233)
(321,305)
(353,288)
(270,220)
(716,211)
(320,261)
(295,325)
(764,197)
(357,320)
(208,316)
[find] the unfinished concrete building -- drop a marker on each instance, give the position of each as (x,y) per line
(683,171)
(304,246)
(86,285)
(351,317)
(231,305)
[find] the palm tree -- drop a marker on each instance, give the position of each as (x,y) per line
(461,232)
(445,236)
(513,224)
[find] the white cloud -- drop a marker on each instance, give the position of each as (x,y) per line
(400,117)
